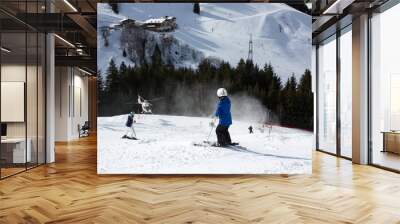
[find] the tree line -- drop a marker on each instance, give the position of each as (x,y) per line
(187,91)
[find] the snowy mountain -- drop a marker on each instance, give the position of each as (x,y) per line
(281,35)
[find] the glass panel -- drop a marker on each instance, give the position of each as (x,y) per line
(346,93)
(32,87)
(385,89)
(41,98)
(13,86)
(31,98)
(23,88)
(327,96)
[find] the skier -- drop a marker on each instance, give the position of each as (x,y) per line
(251,129)
(130,130)
(223,112)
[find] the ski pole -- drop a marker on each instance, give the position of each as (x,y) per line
(212,128)
(209,134)
(134,132)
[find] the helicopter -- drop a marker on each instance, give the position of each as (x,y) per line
(146,105)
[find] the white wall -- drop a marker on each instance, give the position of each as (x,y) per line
(12,73)
(81,104)
(62,82)
(32,105)
(17,73)
(71,102)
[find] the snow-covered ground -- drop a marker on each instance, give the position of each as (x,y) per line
(281,35)
(166,147)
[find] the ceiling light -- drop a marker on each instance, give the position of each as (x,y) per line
(79,51)
(338,6)
(331,7)
(84,71)
(5,50)
(70,5)
(64,40)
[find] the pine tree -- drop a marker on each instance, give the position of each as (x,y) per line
(196,8)
(292,103)
(124,53)
(289,102)
(306,101)
(274,94)
(112,78)
(100,84)
(100,88)
(123,73)
(123,69)
(305,83)
(205,70)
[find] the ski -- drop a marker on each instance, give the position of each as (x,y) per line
(214,144)
(133,138)
(225,146)
(130,138)
(202,144)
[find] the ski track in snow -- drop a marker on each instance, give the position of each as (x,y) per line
(165,146)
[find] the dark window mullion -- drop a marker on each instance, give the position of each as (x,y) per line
(37,90)
(338,98)
(44,70)
(26,87)
(317,96)
(369,100)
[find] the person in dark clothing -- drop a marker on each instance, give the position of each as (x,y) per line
(223,112)
(251,130)
(130,131)
(223,135)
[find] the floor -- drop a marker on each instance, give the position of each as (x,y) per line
(70,191)
(5,172)
(10,171)
(387,159)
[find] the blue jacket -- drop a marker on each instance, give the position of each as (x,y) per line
(223,111)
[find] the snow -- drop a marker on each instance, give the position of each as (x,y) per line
(165,146)
(158,20)
(107,53)
(281,35)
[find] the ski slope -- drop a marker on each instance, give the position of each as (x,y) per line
(281,35)
(166,146)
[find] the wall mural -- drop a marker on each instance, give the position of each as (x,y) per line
(204,88)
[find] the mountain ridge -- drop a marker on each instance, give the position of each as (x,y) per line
(280,34)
